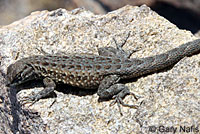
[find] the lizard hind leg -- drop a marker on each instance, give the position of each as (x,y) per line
(110,88)
(118,98)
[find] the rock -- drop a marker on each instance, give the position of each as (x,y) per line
(169,98)
(17,9)
(13,118)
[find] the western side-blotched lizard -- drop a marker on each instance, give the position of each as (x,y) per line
(102,72)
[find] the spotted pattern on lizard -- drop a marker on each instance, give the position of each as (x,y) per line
(102,72)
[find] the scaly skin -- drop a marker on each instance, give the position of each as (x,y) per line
(94,71)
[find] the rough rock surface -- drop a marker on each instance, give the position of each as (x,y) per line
(169,98)
(13,118)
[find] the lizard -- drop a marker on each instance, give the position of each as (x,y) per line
(102,72)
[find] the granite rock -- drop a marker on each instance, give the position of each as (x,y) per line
(169,98)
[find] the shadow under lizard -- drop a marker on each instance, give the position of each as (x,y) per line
(101,72)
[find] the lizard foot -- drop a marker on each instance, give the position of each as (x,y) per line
(32,100)
(28,99)
(119,100)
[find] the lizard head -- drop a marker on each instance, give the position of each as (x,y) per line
(18,73)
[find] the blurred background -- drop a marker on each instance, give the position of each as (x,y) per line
(183,13)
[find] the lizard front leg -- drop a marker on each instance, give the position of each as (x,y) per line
(110,88)
(49,88)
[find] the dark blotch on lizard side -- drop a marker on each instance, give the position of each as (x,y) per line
(78,67)
(118,66)
(88,67)
(37,62)
(53,64)
(45,63)
(117,60)
(98,67)
(107,66)
(70,66)
(63,65)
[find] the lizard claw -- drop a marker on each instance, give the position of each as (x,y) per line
(32,100)
(27,100)
(118,99)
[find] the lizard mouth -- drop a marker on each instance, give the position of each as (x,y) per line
(16,81)
(19,79)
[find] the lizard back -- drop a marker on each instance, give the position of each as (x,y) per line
(85,71)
